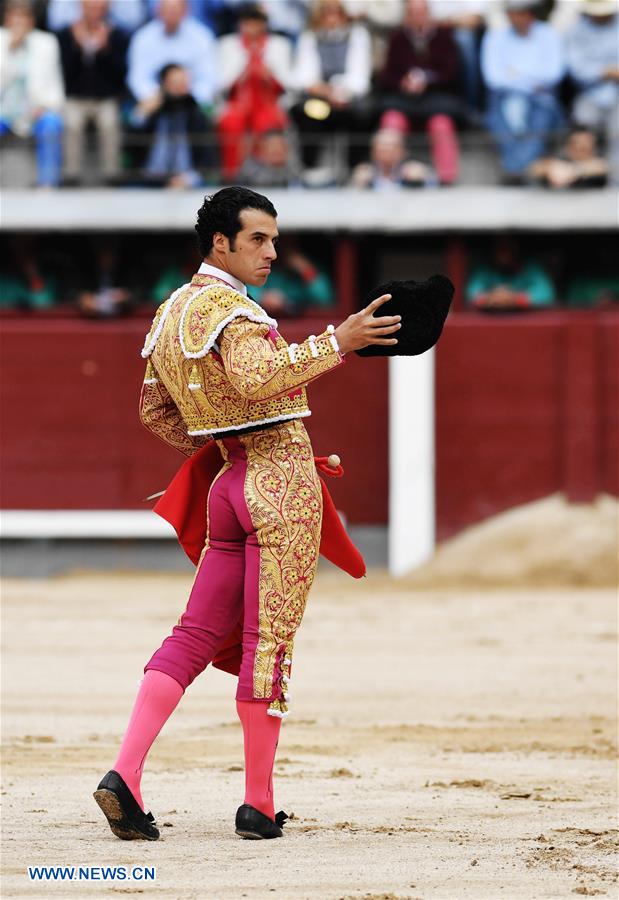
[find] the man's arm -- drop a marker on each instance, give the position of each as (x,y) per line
(159,414)
(259,371)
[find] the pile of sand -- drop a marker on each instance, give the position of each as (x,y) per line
(547,543)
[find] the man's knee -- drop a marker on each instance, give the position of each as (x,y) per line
(49,123)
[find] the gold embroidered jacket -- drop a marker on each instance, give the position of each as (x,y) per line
(216,363)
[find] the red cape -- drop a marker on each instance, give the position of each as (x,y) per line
(183,505)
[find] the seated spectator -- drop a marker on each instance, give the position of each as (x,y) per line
(271,164)
(104,297)
(389,167)
(93,62)
(508,282)
(22,284)
(254,69)
(561,14)
(211,13)
(466,20)
(332,72)
(287,18)
(592,51)
(579,165)
(419,81)
(178,130)
(125,14)
(295,284)
(173,37)
(522,66)
(31,88)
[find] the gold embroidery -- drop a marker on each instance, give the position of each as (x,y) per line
(260,372)
(159,414)
(284,498)
(246,378)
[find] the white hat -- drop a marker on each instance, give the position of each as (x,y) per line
(600,7)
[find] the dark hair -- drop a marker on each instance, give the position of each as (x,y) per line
(251,11)
(221,212)
(582,129)
(23,6)
(169,67)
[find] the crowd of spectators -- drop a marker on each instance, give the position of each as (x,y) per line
(103,275)
(182,93)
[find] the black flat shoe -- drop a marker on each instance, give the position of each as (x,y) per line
(254,825)
(125,817)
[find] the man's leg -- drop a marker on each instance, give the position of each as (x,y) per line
(260,739)
(215,605)
(75,119)
(108,127)
(48,137)
(278,500)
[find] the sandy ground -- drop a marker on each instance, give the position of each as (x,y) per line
(441,745)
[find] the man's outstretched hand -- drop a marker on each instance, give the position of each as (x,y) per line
(362,328)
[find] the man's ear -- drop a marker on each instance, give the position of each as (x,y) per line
(221,242)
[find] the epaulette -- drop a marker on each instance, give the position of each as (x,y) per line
(204,316)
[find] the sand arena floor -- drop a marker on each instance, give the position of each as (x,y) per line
(441,745)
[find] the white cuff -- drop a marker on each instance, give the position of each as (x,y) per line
(292,352)
(332,338)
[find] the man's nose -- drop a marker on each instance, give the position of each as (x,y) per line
(271,252)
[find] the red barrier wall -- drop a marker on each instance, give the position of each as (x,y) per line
(527,404)
(71,438)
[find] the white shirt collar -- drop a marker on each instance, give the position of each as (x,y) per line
(205,269)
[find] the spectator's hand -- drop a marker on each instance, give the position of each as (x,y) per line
(559,173)
(500,296)
(149,105)
(362,175)
(274,302)
(339,101)
(298,262)
(320,89)
(414,82)
(179,182)
(612,73)
(362,328)
(36,112)
(414,172)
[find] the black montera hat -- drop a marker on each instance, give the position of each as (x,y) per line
(423,306)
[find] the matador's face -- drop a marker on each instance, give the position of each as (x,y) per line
(253,250)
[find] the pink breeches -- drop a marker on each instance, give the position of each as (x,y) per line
(264,516)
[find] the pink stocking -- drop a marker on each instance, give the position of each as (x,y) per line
(260,737)
(156,701)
